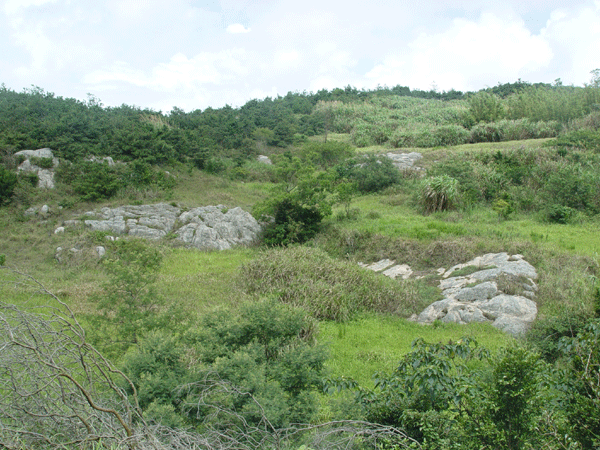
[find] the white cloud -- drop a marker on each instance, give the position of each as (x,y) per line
(575,36)
(180,72)
(466,55)
(237,28)
(13,6)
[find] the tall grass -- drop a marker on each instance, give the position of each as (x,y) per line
(326,287)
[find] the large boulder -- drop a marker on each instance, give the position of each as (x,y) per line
(45,175)
(208,227)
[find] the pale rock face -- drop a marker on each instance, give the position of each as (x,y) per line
(477,297)
(208,227)
(46,176)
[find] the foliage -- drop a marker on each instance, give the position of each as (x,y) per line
(509,411)
(328,288)
(129,306)
(485,107)
(439,193)
(370,173)
(326,154)
(423,394)
(581,378)
(299,204)
(266,350)
(95,181)
(156,369)
(8,182)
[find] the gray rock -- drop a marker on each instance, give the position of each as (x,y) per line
(476,298)
(404,161)
(400,270)
(379,265)
(45,209)
(40,153)
(209,227)
(59,230)
(101,251)
(31,211)
(481,291)
(45,176)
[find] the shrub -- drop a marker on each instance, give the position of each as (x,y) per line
(371,173)
(294,222)
(559,214)
(44,163)
(439,193)
(8,182)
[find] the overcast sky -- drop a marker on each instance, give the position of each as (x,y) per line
(194,54)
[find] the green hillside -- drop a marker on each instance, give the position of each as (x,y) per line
(158,342)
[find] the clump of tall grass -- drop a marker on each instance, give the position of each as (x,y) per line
(328,288)
(439,193)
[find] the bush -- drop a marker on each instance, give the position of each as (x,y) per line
(268,354)
(8,182)
(439,193)
(371,173)
(294,222)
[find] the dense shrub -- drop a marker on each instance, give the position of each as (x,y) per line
(371,173)
(294,222)
(8,181)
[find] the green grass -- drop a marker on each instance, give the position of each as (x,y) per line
(398,219)
(376,343)
(200,281)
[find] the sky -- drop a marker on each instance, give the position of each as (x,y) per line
(161,54)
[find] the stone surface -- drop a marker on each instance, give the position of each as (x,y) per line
(404,161)
(45,176)
(478,296)
(209,227)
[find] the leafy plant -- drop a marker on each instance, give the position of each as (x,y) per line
(439,193)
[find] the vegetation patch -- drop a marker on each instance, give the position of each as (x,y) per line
(326,287)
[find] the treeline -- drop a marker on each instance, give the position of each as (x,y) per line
(36,118)
(396,116)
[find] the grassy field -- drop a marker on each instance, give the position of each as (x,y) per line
(387,225)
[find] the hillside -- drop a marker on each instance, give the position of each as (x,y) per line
(240,345)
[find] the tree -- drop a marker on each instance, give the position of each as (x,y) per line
(129,305)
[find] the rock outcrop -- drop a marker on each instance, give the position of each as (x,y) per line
(499,290)
(208,227)
(405,161)
(495,288)
(45,175)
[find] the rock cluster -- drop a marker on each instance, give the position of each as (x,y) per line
(209,227)
(495,288)
(45,176)
(499,290)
